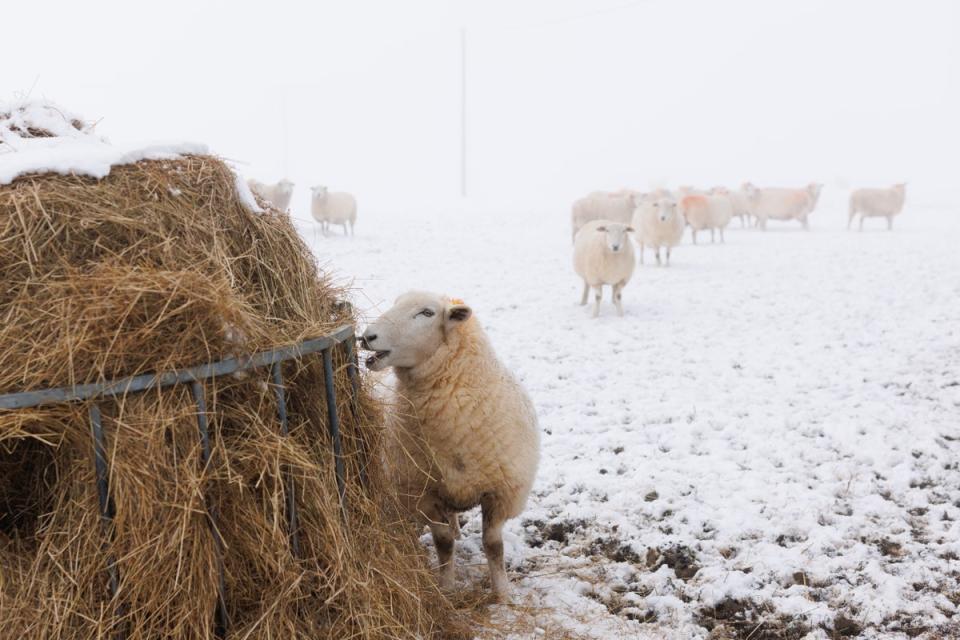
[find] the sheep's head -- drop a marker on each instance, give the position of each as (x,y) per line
(319,192)
(411,331)
(285,186)
(666,209)
(616,235)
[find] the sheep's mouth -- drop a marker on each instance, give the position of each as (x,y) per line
(376,357)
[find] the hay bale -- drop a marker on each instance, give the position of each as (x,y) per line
(156,266)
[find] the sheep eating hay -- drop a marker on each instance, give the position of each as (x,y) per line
(144,270)
(464,431)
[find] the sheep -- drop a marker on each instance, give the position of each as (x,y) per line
(467,434)
(711,212)
(658,224)
(875,203)
(278,194)
(602,254)
(739,201)
(782,204)
(602,205)
(333,207)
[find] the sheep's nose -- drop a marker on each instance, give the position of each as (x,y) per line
(367,339)
(616,247)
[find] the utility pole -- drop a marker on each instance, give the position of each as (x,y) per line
(463,112)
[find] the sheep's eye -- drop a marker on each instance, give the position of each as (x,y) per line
(427,313)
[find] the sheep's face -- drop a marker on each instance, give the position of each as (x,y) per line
(319,192)
(616,235)
(285,186)
(666,210)
(412,330)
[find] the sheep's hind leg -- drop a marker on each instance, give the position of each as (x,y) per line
(586,293)
(597,297)
(889,223)
(618,298)
(493,549)
(658,256)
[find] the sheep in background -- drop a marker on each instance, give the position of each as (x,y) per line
(466,434)
(602,205)
(739,201)
(877,203)
(278,194)
(702,212)
(333,207)
(781,204)
(658,224)
(602,254)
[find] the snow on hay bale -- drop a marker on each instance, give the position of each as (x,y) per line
(157,265)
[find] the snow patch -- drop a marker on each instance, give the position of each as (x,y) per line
(70,147)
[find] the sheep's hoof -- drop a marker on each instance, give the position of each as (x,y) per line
(503,596)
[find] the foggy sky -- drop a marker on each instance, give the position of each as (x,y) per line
(563,96)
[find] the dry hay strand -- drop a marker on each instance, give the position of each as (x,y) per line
(155,267)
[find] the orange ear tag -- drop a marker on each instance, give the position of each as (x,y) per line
(457,301)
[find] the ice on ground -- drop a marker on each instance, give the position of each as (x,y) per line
(771,433)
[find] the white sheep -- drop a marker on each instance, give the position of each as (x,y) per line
(278,194)
(333,207)
(603,255)
(783,204)
(877,203)
(466,433)
(703,212)
(739,201)
(658,224)
(617,206)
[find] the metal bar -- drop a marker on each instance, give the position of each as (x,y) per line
(107,507)
(353,373)
(289,488)
(334,426)
(152,380)
(222,619)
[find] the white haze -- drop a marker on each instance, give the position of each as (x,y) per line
(563,96)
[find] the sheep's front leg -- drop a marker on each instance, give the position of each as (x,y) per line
(713,235)
(694,236)
(493,549)
(597,297)
(668,256)
(658,256)
(586,293)
(618,297)
(861,221)
(641,253)
(889,223)
(721,236)
(443,540)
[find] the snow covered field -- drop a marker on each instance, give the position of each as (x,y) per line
(767,443)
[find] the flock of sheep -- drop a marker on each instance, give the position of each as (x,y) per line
(448,447)
(603,254)
(327,207)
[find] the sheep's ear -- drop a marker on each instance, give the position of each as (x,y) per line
(602,229)
(458,313)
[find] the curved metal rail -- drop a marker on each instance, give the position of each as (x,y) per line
(195,377)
